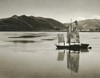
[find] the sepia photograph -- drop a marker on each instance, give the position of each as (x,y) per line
(49,38)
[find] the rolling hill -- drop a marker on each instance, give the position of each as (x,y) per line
(30,23)
(88,25)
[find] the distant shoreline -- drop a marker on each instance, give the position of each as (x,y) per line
(47,31)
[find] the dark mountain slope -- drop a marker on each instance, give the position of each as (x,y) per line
(30,23)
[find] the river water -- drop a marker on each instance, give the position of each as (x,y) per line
(34,55)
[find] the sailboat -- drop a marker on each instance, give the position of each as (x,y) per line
(73,39)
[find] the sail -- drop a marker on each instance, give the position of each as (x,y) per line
(73,33)
(69,33)
(61,38)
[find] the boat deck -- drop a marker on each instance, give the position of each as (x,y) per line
(73,47)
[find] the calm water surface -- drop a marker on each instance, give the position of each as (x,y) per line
(34,55)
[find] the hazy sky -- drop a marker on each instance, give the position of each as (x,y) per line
(61,10)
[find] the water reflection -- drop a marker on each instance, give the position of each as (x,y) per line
(22,41)
(84,50)
(61,54)
(72,58)
(30,35)
(49,39)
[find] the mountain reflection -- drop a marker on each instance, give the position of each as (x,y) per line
(22,41)
(72,58)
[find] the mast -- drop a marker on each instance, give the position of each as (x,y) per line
(69,33)
(70,26)
(77,32)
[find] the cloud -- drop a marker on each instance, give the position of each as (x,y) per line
(81,18)
(93,17)
(96,17)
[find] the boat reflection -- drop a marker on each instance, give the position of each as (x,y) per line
(61,54)
(72,58)
(84,50)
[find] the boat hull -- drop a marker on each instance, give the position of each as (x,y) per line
(73,47)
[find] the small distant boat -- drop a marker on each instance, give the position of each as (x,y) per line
(73,39)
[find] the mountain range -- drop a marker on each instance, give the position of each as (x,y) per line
(88,25)
(30,23)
